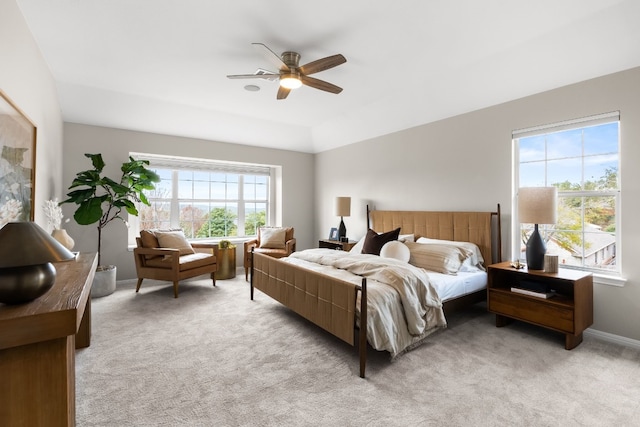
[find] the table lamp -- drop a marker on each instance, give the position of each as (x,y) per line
(26,254)
(537,205)
(343,208)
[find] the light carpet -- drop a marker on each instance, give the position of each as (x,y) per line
(213,357)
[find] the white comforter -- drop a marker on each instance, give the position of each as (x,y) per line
(403,308)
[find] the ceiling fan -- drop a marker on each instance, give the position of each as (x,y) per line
(291,75)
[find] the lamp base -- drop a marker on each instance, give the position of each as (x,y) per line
(342,230)
(536,249)
(23,284)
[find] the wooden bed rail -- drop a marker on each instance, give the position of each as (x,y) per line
(328,302)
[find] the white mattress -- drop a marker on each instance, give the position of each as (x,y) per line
(450,287)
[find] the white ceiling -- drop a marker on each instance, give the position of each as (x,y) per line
(160,65)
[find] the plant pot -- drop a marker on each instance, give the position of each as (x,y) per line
(104,282)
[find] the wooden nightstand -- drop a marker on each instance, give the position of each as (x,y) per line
(570,311)
(335,244)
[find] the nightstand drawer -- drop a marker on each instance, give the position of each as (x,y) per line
(543,312)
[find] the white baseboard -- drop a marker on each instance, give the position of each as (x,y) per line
(614,339)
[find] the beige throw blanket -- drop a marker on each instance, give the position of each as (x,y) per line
(402,306)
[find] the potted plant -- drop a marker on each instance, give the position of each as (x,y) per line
(101,200)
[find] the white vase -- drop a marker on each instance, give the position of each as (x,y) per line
(63,237)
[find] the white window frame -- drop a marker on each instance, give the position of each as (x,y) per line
(611,277)
(176,163)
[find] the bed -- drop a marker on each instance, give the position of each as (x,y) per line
(389,303)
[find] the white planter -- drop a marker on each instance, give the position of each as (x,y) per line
(104,282)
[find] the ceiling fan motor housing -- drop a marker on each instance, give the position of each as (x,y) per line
(291,59)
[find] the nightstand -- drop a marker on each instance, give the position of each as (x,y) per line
(336,244)
(569,311)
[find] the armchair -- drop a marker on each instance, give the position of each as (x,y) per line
(277,242)
(167,255)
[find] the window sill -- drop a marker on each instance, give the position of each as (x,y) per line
(601,279)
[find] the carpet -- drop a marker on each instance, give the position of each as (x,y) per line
(213,357)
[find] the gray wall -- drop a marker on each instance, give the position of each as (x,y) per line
(115,146)
(26,80)
(464,163)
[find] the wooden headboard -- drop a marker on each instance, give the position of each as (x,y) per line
(481,228)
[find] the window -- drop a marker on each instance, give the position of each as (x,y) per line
(207,199)
(581,159)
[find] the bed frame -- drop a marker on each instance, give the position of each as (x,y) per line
(331,303)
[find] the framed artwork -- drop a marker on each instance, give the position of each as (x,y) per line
(333,234)
(17,163)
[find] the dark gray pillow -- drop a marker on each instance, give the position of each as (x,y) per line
(373,241)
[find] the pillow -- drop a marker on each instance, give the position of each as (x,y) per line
(175,240)
(407,238)
(445,259)
(475,260)
(373,241)
(395,249)
(149,239)
(272,237)
(357,248)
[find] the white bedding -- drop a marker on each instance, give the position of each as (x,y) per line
(403,307)
(449,286)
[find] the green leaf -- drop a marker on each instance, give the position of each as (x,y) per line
(89,212)
(79,196)
(96,160)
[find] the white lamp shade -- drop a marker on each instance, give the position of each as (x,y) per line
(343,206)
(537,205)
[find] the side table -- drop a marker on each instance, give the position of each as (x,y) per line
(569,311)
(226,259)
(336,244)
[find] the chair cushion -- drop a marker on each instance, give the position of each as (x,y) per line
(149,239)
(187,262)
(174,240)
(275,253)
(272,237)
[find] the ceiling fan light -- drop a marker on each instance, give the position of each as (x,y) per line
(290,82)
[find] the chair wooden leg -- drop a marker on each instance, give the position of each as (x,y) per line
(246,272)
(175,289)
(139,283)
(213,278)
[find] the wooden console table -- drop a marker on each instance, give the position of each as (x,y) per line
(37,348)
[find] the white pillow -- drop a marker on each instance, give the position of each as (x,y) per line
(445,259)
(474,260)
(396,250)
(407,238)
(174,240)
(272,238)
(357,248)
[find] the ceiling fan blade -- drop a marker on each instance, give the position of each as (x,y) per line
(322,64)
(283,92)
(255,76)
(320,84)
(270,55)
